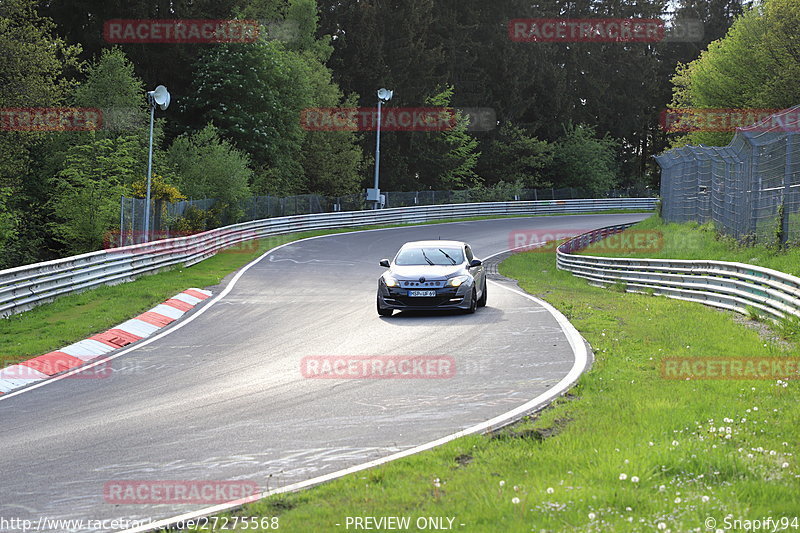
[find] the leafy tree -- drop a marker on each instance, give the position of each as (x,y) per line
(253,94)
(782,18)
(514,156)
(162,192)
(112,86)
(209,167)
(756,65)
(160,189)
(35,66)
(300,31)
(447,159)
(585,161)
(619,88)
(156,63)
(33,61)
(715,15)
(332,160)
(730,74)
(88,191)
(498,192)
(87,179)
(7,217)
(281,77)
(385,44)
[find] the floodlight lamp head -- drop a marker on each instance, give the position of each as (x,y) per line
(385,94)
(161,97)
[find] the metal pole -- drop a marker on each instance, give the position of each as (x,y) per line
(788,173)
(149,174)
(121,217)
(378,153)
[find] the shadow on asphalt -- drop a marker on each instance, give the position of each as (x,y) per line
(412,317)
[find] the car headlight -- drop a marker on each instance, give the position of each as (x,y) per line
(457,281)
(390,281)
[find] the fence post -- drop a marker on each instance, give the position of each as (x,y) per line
(133,221)
(788,172)
(121,217)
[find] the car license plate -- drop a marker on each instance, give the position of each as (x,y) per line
(422,294)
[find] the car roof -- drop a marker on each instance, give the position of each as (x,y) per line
(423,244)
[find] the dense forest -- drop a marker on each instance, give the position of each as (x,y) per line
(577,114)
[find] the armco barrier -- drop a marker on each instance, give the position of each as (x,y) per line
(24,287)
(734,286)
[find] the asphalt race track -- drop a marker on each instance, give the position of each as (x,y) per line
(223,397)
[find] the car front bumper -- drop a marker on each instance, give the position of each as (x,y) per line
(446,298)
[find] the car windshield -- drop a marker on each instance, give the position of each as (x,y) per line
(429,255)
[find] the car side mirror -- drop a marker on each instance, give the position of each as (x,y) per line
(475,263)
(385,263)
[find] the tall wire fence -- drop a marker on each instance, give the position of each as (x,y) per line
(749,189)
(190,216)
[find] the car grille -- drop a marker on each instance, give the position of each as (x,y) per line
(408,284)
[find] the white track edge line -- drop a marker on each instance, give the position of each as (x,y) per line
(579,350)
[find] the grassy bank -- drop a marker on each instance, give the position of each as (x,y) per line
(626,450)
(693,241)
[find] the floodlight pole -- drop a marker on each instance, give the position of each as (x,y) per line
(161,98)
(384,95)
(378,154)
(152,103)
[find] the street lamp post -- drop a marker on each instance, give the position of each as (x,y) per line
(160,97)
(374,194)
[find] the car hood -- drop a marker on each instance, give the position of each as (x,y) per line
(434,272)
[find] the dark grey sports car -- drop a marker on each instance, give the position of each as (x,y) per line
(428,275)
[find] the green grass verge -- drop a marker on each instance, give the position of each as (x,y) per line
(626,450)
(74,317)
(693,241)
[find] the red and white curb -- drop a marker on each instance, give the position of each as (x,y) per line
(45,366)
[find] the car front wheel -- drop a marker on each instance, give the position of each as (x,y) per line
(482,300)
(473,304)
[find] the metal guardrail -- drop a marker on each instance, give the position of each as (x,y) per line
(727,285)
(27,286)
